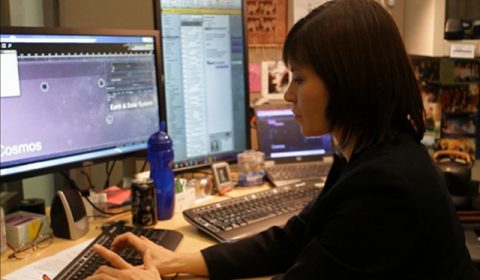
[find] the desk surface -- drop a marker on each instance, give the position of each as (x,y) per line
(193,240)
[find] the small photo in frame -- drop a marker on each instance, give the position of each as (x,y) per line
(426,69)
(466,71)
(432,116)
(275,79)
(460,125)
(222,177)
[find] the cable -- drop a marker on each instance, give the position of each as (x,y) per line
(105,212)
(91,186)
(109,173)
(86,194)
(74,186)
(144,165)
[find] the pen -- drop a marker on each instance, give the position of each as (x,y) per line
(45,277)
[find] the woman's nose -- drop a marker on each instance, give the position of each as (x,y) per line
(289,94)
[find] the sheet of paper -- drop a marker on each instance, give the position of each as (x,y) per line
(116,195)
(254,77)
(50,266)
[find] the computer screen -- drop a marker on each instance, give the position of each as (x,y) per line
(206,92)
(280,136)
(74,97)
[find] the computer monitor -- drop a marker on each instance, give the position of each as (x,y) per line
(71,97)
(205,70)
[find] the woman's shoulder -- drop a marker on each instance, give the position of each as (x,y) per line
(391,160)
(401,166)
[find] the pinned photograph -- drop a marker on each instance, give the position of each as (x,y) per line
(275,79)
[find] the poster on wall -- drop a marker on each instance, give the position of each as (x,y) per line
(266,21)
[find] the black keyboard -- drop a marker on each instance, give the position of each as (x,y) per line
(87,262)
(279,172)
(244,216)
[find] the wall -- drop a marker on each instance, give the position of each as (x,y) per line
(26,12)
(4,12)
(424,21)
(134,14)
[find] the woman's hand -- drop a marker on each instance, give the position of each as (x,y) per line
(123,270)
(163,259)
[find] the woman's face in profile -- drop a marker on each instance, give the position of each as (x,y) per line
(309,96)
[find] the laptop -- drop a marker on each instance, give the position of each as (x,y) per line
(287,150)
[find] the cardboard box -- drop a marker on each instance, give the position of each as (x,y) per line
(22,228)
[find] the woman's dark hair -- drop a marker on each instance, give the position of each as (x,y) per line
(355,47)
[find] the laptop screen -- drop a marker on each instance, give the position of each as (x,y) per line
(280,137)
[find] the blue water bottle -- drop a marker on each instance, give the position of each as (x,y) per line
(160,158)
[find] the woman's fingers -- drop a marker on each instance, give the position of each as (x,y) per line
(114,259)
(148,260)
(128,240)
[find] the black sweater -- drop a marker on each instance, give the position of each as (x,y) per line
(386,214)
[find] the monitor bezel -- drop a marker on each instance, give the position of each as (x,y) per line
(228,157)
(92,32)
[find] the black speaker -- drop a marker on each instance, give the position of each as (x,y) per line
(453,29)
(68,216)
(476,29)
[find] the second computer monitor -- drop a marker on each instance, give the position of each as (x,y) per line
(204,58)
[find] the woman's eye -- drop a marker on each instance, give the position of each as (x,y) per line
(297,80)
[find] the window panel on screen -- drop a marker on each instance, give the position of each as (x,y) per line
(206,96)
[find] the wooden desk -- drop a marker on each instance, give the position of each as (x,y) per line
(193,240)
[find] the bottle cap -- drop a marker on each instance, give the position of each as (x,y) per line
(160,140)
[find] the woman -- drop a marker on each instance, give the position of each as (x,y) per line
(384,212)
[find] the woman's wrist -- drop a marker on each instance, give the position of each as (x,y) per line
(192,263)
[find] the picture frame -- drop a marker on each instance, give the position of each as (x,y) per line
(275,79)
(222,177)
(458,125)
